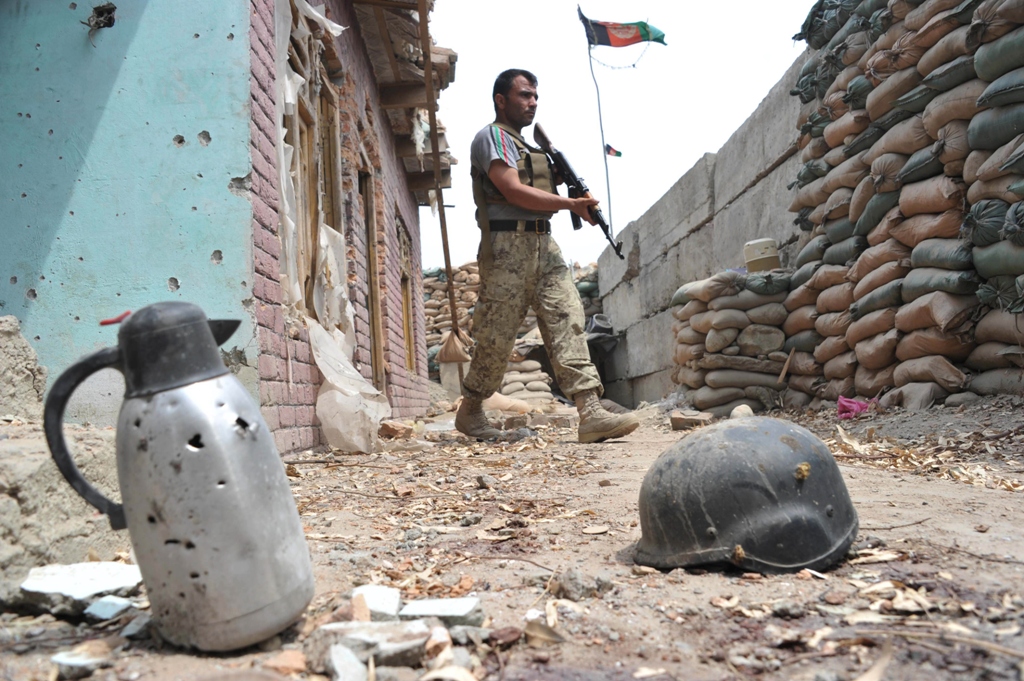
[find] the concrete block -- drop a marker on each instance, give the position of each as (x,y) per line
(616,362)
(651,343)
(762,139)
(620,392)
(761,212)
(689,203)
(623,307)
(451,611)
(611,270)
(344,665)
(653,387)
(383,602)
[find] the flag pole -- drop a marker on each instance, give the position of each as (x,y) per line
(604,148)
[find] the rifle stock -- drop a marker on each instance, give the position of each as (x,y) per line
(577,188)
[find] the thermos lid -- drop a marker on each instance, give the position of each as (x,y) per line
(171,344)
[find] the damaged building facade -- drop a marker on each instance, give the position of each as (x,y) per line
(263,159)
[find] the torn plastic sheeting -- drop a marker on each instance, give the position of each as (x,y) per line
(330,292)
(350,409)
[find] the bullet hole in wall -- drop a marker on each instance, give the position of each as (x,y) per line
(172,284)
(240,186)
(204,138)
(31,294)
(195,35)
(50,132)
(179,141)
(217,257)
(14,280)
(231,36)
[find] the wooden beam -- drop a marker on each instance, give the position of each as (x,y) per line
(389,4)
(385,36)
(420,181)
(406,148)
(403,96)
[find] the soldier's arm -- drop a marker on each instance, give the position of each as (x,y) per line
(506,180)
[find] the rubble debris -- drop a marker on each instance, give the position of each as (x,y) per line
(137,627)
(451,611)
(287,662)
(108,607)
(69,589)
(383,602)
(84,659)
(690,418)
(343,665)
(394,644)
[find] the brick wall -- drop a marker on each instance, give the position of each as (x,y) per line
(365,126)
(288,378)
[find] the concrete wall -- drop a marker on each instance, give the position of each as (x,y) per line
(696,229)
(121,150)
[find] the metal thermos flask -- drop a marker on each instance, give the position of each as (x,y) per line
(204,493)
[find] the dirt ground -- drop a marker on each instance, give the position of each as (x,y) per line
(936,572)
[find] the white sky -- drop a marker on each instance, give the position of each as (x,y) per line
(680,102)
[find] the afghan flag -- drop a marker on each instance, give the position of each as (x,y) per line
(619,35)
(611,151)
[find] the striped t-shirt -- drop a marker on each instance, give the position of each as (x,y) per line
(494,144)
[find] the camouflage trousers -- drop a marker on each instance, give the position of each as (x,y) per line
(528,270)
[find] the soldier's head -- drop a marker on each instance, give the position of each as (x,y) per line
(515,97)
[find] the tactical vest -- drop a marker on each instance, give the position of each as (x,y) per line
(533,168)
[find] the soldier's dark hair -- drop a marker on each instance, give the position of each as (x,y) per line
(503,83)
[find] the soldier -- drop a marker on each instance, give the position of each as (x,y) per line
(522,266)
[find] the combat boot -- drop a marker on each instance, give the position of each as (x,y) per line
(597,424)
(470,420)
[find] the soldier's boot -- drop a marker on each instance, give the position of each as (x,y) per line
(597,424)
(470,420)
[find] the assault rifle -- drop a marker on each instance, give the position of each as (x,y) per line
(575,185)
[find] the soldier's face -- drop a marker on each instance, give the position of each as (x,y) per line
(520,104)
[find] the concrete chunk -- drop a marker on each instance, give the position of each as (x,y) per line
(382,601)
(108,608)
(397,644)
(451,611)
(68,589)
(343,665)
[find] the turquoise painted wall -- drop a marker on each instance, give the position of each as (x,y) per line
(110,190)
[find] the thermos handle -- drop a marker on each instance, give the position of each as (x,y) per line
(53,424)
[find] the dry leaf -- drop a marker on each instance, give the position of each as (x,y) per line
(877,671)
(482,534)
(449,673)
(870,617)
(539,635)
(647,673)
(360,610)
(725,604)
(875,556)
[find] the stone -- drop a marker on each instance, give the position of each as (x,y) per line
(465,635)
(287,662)
(382,601)
(683,420)
(957,399)
(395,429)
(462,658)
(788,610)
(486,481)
(570,585)
(68,589)
(108,608)
(343,665)
(742,411)
(82,660)
(397,644)
(517,421)
(137,627)
(451,611)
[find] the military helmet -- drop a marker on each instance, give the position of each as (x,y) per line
(760,493)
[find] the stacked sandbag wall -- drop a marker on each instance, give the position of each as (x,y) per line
(912,120)
(526,381)
(729,340)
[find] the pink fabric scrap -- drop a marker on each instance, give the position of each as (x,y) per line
(849,408)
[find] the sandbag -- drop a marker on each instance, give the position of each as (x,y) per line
(795,400)
(772,314)
(745,300)
(841,366)
(707,397)
(804,364)
(768,283)
(960,103)
(861,195)
(934,341)
(1000,259)
(828,276)
(814,250)
(951,48)
(986,24)
(1014,163)
(690,336)
(921,281)
(889,250)
(880,234)
(989,356)
(685,353)
(931,369)
(1005,90)
(984,221)
(877,207)
(878,351)
(847,174)
(805,341)
(727,283)
(701,321)
(922,164)
(833,323)
(934,195)
(729,319)
(839,229)
(802,296)
(1000,326)
(830,347)
(1001,56)
(999,382)
(691,378)
(758,339)
(844,251)
(867,139)
(731,378)
(1006,188)
(512,388)
(899,83)
(1013,225)
(881,275)
(870,383)
(837,388)
(998,292)
(952,144)
(803,274)
(870,325)
(912,231)
(914,396)
(887,295)
(719,339)
(954,168)
(884,171)
(835,298)
(949,254)
(691,308)
(904,138)
(992,128)
(993,167)
(937,308)
(972,163)
(916,100)
(800,319)
(838,203)
(850,123)
(918,17)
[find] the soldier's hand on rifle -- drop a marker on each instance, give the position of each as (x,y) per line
(581,207)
